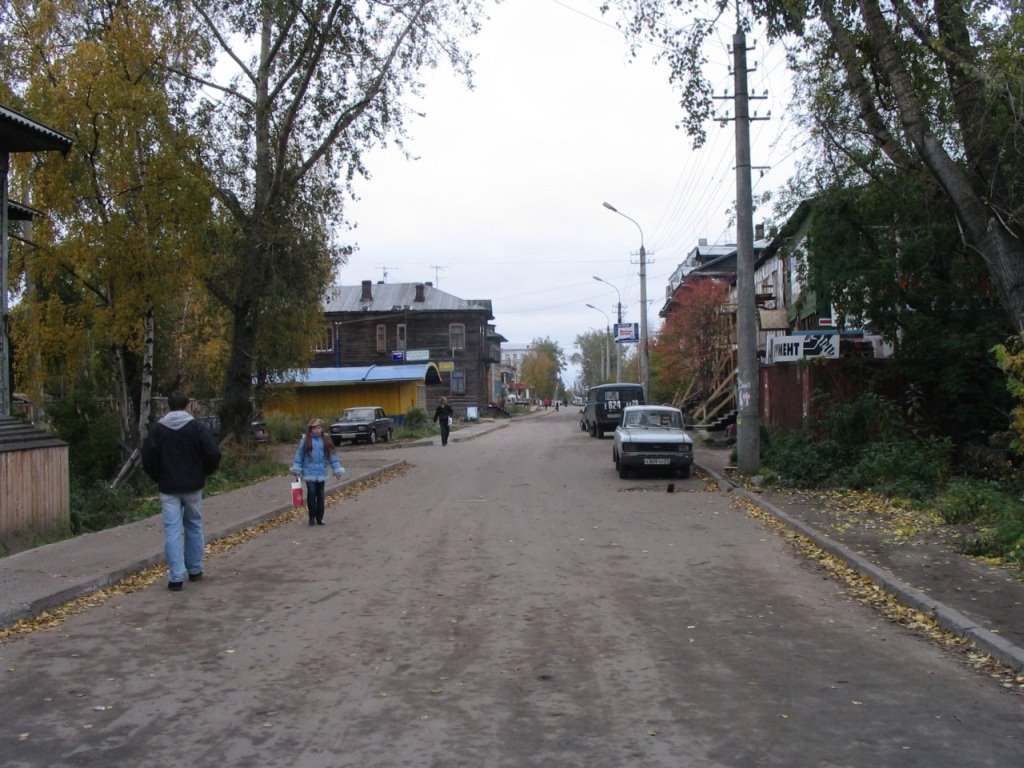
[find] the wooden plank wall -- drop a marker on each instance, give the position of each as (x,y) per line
(34,493)
(327,403)
(791,393)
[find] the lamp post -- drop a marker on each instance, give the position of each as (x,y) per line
(607,333)
(644,368)
(618,351)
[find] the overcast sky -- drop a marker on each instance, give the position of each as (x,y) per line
(504,198)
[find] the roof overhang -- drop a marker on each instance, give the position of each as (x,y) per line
(19,133)
(427,372)
(19,212)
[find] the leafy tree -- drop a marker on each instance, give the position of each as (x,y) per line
(691,344)
(593,347)
(295,93)
(928,88)
(123,230)
(542,367)
(896,266)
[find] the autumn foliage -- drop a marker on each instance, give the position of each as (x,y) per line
(693,340)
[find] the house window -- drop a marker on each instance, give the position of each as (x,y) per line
(325,340)
(457,336)
(382,338)
(459,382)
(401,336)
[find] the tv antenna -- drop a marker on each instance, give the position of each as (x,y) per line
(437,279)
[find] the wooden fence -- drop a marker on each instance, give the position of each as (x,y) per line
(793,394)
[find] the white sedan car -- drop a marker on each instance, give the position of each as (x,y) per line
(651,437)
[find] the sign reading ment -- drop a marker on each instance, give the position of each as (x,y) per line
(786,349)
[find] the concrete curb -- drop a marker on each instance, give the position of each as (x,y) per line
(9,617)
(946,617)
(454,437)
(261,517)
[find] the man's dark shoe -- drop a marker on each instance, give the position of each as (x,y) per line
(174,586)
(195,576)
(319,522)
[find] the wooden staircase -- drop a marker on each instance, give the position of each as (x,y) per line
(718,410)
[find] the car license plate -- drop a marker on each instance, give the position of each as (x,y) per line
(656,461)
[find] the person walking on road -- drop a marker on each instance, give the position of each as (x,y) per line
(179,453)
(314,452)
(443,416)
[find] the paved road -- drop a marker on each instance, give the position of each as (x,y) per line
(508,601)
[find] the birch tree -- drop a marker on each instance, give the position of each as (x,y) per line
(296,92)
(122,232)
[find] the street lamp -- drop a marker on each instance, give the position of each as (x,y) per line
(607,333)
(644,359)
(618,351)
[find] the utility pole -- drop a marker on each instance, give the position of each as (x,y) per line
(618,347)
(645,364)
(748,419)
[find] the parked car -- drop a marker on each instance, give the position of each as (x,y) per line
(258,430)
(651,437)
(364,423)
(603,411)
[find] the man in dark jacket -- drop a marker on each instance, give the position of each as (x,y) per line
(443,418)
(179,454)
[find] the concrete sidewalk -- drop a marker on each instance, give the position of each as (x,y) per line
(973,599)
(43,578)
(970,598)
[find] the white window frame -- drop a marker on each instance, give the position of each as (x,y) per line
(325,341)
(457,332)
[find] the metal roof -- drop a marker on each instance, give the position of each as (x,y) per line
(20,212)
(16,435)
(320,377)
(399,297)
(19,133)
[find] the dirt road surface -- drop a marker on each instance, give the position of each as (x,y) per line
(508,601)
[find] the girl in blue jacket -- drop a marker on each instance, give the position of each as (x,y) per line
(314,452)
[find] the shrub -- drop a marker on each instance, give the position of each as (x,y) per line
(416,419)
(911,468)
(92,435)
(286,429)
(798,461)
(239,465)
(96,506)
(965,501)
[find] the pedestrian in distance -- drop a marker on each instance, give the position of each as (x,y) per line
(312,456)
(443,417)
(179,453)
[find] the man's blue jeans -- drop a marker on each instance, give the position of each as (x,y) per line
(183,533)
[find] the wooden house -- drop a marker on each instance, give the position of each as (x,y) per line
(399,345)
(34,475)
